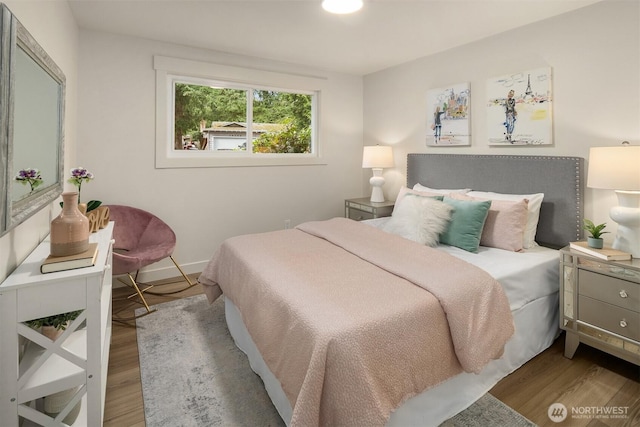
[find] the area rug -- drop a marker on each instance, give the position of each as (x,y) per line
(194,375)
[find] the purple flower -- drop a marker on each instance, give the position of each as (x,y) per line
(29,176)
(78,176)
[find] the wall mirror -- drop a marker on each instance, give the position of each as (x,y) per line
(32,96)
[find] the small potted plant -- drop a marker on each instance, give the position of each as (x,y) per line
(594,240)
(56,323)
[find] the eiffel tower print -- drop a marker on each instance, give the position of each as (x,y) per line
(528,92)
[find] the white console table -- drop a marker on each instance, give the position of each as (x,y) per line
(78,358)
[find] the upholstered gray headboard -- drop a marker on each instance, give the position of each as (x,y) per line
(561,179)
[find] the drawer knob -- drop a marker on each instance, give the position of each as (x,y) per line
(623,294)
(623,323)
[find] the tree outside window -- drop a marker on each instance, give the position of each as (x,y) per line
(219,118)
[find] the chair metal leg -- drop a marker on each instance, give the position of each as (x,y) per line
(139,294)
(190,283)
(138,284)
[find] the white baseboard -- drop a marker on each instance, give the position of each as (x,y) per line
(151,274)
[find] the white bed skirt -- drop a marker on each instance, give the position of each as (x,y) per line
(536,329)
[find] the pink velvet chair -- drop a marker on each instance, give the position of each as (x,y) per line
(141,239)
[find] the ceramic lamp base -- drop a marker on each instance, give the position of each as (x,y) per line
(627,215)
(377,181)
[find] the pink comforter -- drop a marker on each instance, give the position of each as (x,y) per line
(353,321)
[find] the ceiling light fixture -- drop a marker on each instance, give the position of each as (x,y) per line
(341,6)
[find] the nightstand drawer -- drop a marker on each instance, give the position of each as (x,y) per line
(359,215)
(363,208)
(359,206)
(609,317)
(621,293)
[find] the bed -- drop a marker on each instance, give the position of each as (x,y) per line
(369,359)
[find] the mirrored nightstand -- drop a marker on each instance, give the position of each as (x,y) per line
(363,208)
(600,304)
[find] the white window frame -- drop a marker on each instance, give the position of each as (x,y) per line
(168,70)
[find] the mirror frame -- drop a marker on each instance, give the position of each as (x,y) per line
(13,36)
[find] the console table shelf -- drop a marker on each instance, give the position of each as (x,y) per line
(33,366)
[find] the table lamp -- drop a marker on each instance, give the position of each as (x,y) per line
(618,168)
(377,157)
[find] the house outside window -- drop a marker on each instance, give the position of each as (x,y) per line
(206,117)
(232,136)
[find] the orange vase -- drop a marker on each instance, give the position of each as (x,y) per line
(70,229)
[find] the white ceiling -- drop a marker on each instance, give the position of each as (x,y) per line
(383,34)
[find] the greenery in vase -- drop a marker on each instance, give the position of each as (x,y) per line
(58,321)
(595,231)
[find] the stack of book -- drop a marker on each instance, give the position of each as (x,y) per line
(606,253)
(70,262)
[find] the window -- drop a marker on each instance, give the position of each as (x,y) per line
(222,117)
(211,115)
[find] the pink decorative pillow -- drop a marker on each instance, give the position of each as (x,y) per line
(505,224)
(534,203)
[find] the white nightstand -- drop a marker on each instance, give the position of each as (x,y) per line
(600,304)
(364,208)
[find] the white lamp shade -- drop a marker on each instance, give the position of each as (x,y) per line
(342,6)
(614,168)
(377,156)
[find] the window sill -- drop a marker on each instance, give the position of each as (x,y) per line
(198,159)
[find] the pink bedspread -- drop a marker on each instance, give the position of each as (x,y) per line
(353,321)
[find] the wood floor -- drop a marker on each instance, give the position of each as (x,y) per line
(123,406)
(591,379)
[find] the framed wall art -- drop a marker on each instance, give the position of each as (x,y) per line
(448,111)
(519,108)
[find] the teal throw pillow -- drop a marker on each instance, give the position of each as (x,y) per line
(467,221)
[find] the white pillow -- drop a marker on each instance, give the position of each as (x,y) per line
(418,218)
(420,187)
(404,191)
(533,214)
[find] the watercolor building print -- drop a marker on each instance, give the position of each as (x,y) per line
(448,115)
(519,108)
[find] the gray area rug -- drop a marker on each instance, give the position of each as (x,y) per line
(194,375)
